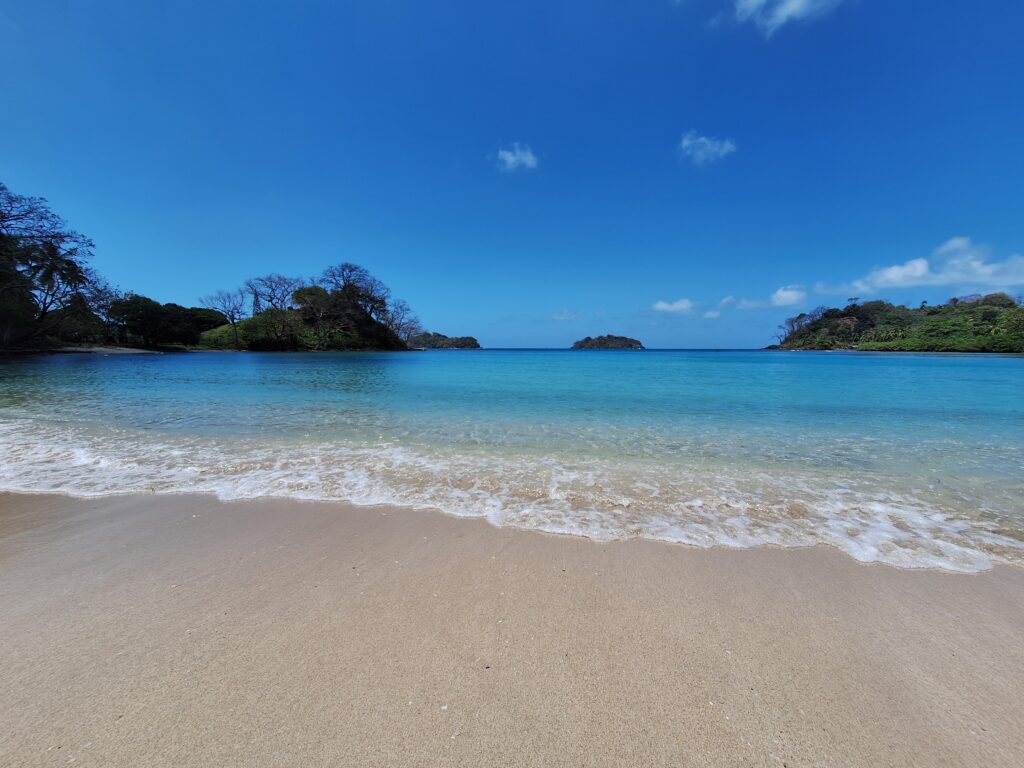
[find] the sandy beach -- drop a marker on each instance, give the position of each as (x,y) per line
(181,631)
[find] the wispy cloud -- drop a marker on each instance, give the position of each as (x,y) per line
(564,315)
(769,15)
(678,307)
(711,314)
(704,150)
(731,302)
(957,262)
(788,296)
(515,157)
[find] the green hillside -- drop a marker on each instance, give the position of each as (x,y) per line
(992,323)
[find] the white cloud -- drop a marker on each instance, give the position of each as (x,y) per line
(704,150)
(788,295)
(769,15)
(565,314)
(679,307)
(711,314)
(959,261)
(515,157)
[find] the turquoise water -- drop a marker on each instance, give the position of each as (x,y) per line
(911,460)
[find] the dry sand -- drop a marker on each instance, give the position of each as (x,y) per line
(179,631)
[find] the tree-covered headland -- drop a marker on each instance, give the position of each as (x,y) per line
(50,297)
(344,308)
(975,323)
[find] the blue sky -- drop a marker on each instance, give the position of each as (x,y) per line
(688,173)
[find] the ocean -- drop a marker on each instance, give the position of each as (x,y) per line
(915,461)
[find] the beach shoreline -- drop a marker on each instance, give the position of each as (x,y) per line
(180,630)
(191,497)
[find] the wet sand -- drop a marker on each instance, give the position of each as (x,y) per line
(180,631)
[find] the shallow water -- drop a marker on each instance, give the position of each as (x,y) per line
(911,460)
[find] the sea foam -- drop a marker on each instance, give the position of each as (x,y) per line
(698,503)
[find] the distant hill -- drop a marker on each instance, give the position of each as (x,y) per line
(608,342)
(440,341)
(992,323)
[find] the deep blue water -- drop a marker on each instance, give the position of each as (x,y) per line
(914,460)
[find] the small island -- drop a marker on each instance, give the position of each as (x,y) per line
(428,340)
(975,323)
(608,342)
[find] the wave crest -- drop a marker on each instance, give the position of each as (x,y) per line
(704,504)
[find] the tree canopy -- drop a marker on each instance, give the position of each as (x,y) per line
(344,308)
(50,296)
(440,341)
(44,269)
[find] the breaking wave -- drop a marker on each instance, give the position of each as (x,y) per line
(703,503)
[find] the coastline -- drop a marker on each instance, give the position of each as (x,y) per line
(115,350)
(83,350)
(983,352)
(180,630)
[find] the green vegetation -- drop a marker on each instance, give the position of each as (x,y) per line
(345,308)
(992,323)
(45,280)
(608,342)
(440,341)
(134,319)
(50,298)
